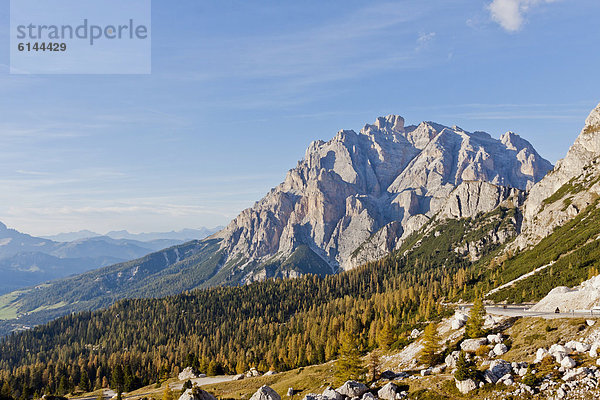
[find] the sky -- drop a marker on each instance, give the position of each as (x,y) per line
(239,89)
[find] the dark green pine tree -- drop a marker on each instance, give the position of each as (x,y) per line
(84,383)
(465,369)
(6,391)
(118,380)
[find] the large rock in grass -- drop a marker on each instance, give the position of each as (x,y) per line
(466,386)
(500,349)
(497,369)
(471,345)
(568,363)
(390,391)
(196,394)
(265,393)
(352,389)
(332,394)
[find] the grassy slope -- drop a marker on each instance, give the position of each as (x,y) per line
(526,335)
(574,247)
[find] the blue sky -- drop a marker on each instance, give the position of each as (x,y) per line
(240,88)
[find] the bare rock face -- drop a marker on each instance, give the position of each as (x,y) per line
(576,174)
(473,197)
(354,198)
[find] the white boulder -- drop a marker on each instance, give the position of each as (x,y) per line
(500,349)
(459,320)
(575,374)
(540,354)
(471,345)
(252,372)
(582,347)
(457,324)
(489,321)
(352,389)
(594,350)
(557,348)
(196,394)
(465,386)
(390,391)
(187,373)
(265,393)
(331,393)
(568,362)
(496,338)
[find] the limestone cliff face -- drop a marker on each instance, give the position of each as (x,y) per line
(567,189)
(353,198)
(473,197)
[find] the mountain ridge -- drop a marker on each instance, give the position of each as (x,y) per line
(347,189)
(184,235)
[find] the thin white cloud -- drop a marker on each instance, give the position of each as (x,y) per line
(510,14)
(424,39)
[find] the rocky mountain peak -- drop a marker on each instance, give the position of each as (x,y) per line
(353,198)
(512,141)
(390,122)
(593,120)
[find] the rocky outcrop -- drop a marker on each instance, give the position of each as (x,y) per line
(331,393)
(466,386)
(265,393)
(576,174)
(196,393)
(352,199)
(187,373)
(471,198)
(352,389)
(471,345)
(390,391)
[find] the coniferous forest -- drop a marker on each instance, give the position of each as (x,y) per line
(278,324)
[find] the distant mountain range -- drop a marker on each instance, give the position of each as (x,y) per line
(27,260)
(183,235)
